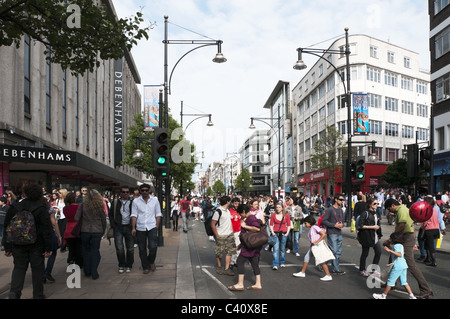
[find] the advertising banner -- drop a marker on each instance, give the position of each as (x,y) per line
(151,106)
(360,114)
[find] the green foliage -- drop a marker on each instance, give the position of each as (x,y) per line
(99,35)
(209,191)
(219,187)
(243,181)
(396,174)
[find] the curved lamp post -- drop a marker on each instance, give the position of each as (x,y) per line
(300,65)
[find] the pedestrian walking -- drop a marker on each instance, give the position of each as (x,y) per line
(316,237)
(236,224)
(369,234)
(404,234)
(31,254)
(184,207)
(399,270)
(224,236)
(120,222)
(93,226)
(334,222)
(249,223)
(431,233)
(73,243)
(145,220)
(175,212)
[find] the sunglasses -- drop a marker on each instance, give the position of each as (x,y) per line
(374,203)
(145,190)
(341,199)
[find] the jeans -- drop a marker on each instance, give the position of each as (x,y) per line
(297,235)
(185,226)
(90,243)
(147,238)
(121,233)
(335,244)
(52,258)
(24,255)
(279,250)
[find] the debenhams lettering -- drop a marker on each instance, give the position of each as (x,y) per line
(34,155)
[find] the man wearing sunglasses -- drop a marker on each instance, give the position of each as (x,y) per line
(120,219)
(333,220)
(145,219)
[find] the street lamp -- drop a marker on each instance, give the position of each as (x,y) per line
(199,116)
(300,65)
(231,168)
(261,119)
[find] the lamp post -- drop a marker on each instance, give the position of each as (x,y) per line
(300,65)
(231,170)
(199,116)
(219,58)
(261,119)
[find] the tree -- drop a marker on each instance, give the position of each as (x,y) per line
(326,152)
(243,181)
(396,174)
(75,33)
(209,191)
(219,187)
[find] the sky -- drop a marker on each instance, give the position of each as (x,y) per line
(260,38)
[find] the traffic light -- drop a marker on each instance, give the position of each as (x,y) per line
(425,159)
(160,150)
(353,169)
(360,168)
(412,154)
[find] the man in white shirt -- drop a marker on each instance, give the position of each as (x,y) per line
(224,235)
(444,197)
(145,219)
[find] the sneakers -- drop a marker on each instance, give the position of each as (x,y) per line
(379,296)
(121,270)
(299,274)
(326,278)
(288,251)
(275,268)
(297,254)
(338,272)
(228,272)
(364,273)
(411,296)
(282,266)
(128,269)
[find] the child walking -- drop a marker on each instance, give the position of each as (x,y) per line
(315,235)
(399,270)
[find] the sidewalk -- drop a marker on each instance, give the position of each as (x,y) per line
(161,284)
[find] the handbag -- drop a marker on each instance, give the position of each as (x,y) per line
(273,238)
(76,230)
(322,253)
(254,239)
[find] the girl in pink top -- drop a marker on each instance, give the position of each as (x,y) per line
(315,236)
(431,234)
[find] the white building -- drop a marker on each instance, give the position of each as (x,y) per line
(398,94)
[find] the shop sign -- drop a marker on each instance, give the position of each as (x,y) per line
(10,153)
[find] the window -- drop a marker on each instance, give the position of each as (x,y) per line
(313,78)
(320,70)
(373,52)
(301,148)
(341,101)
(301,128)
(376,127)
(307,145)
(374,100)
(422,110)
(64,102)
(421,87)
(439,5)
(342,127)
(330,82)
(330,107)
(390,79)
(373,75)
(422,134)
(407,131)
(307,124)
(322,113)
(442,42)
(306,85)
(300,90)
(443,88)
(322,90)
(440,139)
(391,57)
(407,83)
(391,129)
(314,97)
(329,59)
(391,154)
(27,75)
(314,119)
(407,62)
(390,104)
(48,97)
(407,107)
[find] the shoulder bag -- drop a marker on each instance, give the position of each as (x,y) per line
(251,239)
(322,253)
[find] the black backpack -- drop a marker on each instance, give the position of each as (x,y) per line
(208,220)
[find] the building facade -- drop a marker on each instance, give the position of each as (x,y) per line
(61,130)
(398,101)
(439,11)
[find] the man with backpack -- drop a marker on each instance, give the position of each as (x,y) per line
(223,233)
(39,246)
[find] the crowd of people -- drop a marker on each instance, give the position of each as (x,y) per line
(324,218)
(133,217)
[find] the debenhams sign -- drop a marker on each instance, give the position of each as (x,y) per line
(10,153)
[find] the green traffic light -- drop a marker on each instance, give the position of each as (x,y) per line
(360,176)
(161,160)
(164,174)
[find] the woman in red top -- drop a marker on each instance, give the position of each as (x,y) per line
(73,243)
(280,225)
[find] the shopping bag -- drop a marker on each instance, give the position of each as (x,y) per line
(353,226)
(439,241)
(322,253)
